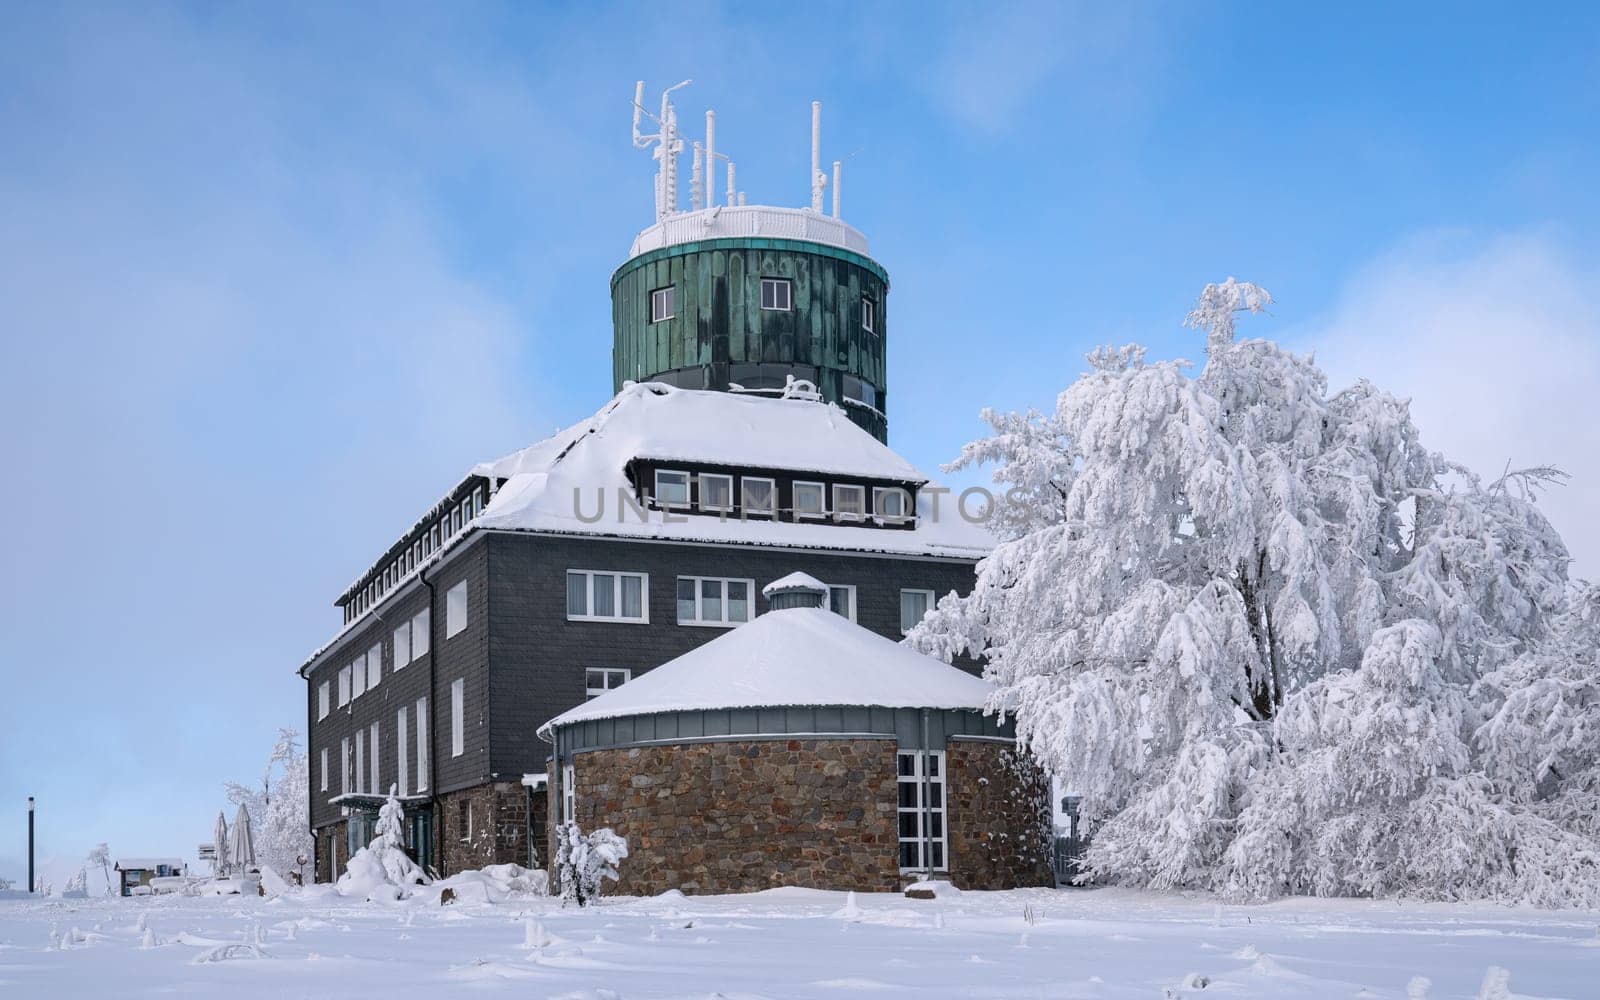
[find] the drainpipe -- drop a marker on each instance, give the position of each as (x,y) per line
(927,808)
(433,716)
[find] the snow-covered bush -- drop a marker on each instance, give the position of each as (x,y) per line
(1276,644)
(277,807)
(382,870)
(583,860)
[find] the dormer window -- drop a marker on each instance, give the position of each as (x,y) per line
(889,504)
(776,294)
(757,495)
(663,305)
(672,488)
(716,492)
(849,502)
(809,500)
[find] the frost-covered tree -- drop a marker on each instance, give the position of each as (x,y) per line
(1275,643)
(584,860)
(278,805)
(100,856)
(382,869)
(77,885)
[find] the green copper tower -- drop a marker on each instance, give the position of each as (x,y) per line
(749,298)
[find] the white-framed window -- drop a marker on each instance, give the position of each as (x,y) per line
(324,769)
(705,600)
(402,645)
(374,666)
(869,314)
(810,500)
(361,762)
(569,793)
(464,819)
(889,504)
(842,600)
(421,633)
(455,610)
(921,811)
(672,488)
(757,495)
(777,294)
(663,304)
(322,701)
(377,785)
(402,751)
(849,502)
(716,491)
(914,606)
(344,687)
(598,680)
(601,596)
(458,708)
(422,744)
(344,766)
(358,678)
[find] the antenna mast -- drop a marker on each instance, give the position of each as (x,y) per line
(819,180)
(668,146)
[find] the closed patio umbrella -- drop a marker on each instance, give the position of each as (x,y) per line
(219,859)
(241,846)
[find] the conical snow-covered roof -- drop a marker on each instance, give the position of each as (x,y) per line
(796,656)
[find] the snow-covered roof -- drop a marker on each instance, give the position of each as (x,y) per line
(794,581)
(694,426)
(147,864)
(797,656)
(766,221)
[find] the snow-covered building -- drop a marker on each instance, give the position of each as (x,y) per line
(134,874)
(803,750)
(552,575)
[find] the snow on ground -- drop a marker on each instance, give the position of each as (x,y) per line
(791,943)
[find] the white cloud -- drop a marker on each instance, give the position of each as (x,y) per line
(1497,343)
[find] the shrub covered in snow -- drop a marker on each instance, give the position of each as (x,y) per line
(1276,644)
(382,870)
(583,860)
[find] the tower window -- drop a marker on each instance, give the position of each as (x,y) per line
(776,294)
(663,304)
(869,315)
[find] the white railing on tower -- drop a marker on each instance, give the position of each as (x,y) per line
(750,220)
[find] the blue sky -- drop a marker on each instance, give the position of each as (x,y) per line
(272,279)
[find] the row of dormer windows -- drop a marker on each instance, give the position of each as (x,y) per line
(428,540)
(725,494)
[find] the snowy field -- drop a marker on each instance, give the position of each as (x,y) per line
(790,943)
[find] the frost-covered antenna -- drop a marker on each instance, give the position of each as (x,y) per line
(668,145)
(819,180)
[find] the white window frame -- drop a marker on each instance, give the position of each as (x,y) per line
(923,810)
(402,749)
(458,716)
(344,686)
(927,594)
(780,302)
(704,477)
(663,504)
(869,314)
(455,610)
(772,496)
(665,296)
(324,769)
(839,513)
(905,505)
(402,646)
(849,589)
(422,744)
(377,778)
(724,621)
(344,766)
(607,674)
(322,701)
(361,763)
(569,793)
(822,497)
(374,666)
(616,596)
(421,633)
(358,677)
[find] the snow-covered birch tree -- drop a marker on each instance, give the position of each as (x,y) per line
(1275,643)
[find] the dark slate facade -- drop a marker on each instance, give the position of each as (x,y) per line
(523,663)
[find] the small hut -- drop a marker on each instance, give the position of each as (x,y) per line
(801,749)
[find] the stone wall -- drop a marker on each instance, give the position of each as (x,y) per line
(999,803)
(745,816)
(483,825)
